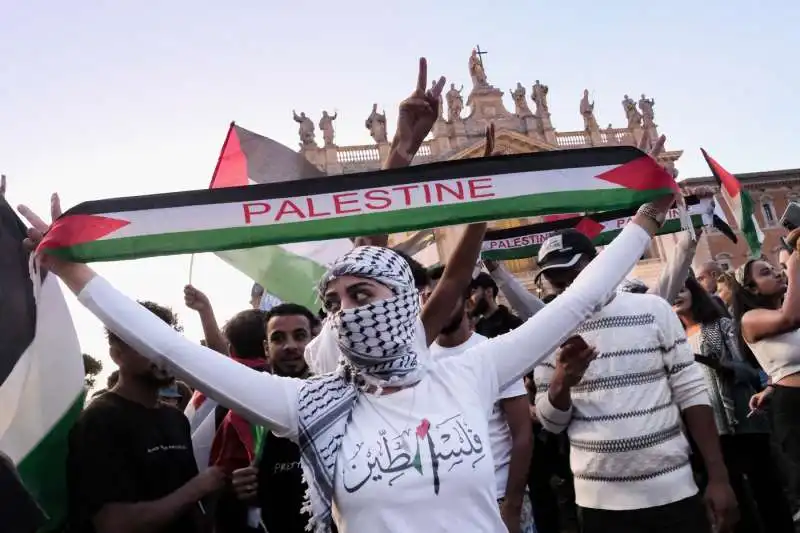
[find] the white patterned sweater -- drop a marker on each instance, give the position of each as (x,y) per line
(628,450)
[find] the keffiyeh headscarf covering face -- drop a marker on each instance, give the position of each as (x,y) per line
(377,342)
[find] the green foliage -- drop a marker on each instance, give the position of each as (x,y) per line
(91,367)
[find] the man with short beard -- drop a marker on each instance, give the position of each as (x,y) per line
(493,319)
(130,465)
(275,484)
(510,428)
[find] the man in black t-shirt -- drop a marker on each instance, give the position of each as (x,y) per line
(493,319)
(130,465)
(275,485)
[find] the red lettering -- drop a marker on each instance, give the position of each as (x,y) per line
(288,208)
(406,191)
(374,196)
(477,184)
(312,213)
(427,189)
(440,187)
(517,242)
(250,209)
(339,201)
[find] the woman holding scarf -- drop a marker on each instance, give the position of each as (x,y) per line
(392,441)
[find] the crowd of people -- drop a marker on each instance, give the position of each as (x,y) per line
(413,400)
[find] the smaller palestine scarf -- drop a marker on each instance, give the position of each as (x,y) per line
(377,343)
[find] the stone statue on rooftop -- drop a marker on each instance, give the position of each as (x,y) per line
(306,130)
(326,127)
(520,102)
(376,124)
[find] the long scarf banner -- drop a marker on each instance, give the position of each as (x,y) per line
(524,241)
(419,197)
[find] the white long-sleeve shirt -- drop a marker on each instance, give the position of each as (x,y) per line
(624,424)
(478,376)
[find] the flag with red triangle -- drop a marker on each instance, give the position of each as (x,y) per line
(740,203)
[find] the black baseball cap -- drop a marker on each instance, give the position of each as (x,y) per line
(564,250)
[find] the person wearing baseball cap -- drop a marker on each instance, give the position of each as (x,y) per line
(563,256)
(636,392)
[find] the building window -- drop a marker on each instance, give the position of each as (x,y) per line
(768,211)
(724,261)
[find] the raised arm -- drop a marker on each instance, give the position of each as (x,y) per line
(198,301)
(519,351)
(455,279)
(260,397)
(760,324)
(675,272)
(521,300)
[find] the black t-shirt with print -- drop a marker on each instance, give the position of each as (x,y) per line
(123,452)
(281,490)
(498,323)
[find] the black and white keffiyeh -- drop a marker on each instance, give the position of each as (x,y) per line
(377,342)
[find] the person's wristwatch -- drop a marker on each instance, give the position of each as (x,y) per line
(654,214)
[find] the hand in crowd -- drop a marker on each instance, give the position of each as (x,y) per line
(209,481)
(195,299)
(490,264)
(721,505)
(37,230)
(532,411)
(417,114)
(245,483)
(758,402)
(572,361)
(511,517)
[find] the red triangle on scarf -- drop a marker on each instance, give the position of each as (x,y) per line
(79,229)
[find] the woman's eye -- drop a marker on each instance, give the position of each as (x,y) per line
(362,297)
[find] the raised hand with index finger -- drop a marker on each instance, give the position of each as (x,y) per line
(417,114)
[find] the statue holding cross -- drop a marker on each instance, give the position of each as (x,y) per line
(476,70)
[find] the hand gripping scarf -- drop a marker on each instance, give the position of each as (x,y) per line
(377,342)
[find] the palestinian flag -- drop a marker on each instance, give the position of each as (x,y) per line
(202,425)
(524,241)
(389,201)
(740,203)
(41,373)
(288,271)
(202,415)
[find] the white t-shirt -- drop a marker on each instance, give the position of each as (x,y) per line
(467,386)
(408,455)
(499,433)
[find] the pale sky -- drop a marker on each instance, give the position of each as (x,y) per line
(118,98)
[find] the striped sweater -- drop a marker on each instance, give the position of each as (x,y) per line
(628,450)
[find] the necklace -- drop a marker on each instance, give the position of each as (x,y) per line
(400,435)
